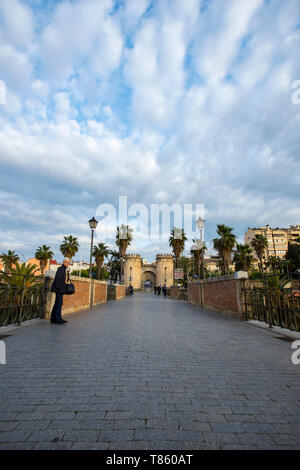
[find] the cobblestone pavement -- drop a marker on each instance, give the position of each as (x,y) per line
(148,373)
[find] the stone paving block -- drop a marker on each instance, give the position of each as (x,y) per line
(117,435)
(8,425)
(38,425)
(81,435)
(227,427)
(15,436)
(128,423)
(127,445)
(52,446)
(221,437)
(164,445)
(17,446)
(89,445)
(210,418)
(47,435)
(87,415)
(259,428)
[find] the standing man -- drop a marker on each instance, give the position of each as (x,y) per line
(58,286)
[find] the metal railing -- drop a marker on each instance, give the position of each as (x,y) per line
(21,298)
(277,307)
(111,293)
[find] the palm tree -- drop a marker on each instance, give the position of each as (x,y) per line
(196,252)
(123,240)
(114,265)
(43,254)
(69,246)
(260,244)
(224,245)
(23,275)
(8,259)
(177,241)
(243,257)
(100,252)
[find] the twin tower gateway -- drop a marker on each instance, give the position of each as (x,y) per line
(142,275)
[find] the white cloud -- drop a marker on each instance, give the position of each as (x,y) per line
(17,26)
(172,106)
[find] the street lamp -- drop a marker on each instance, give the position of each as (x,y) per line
(166,275)
(93,225)
(130,277)
(200,224)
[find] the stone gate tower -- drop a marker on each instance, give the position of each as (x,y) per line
(133,269)
(159,272)
(164,270)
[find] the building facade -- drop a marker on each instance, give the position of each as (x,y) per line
(278,239)
(140,274)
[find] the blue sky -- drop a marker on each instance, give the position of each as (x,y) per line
(165,102)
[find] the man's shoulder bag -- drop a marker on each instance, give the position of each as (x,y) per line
(69,287)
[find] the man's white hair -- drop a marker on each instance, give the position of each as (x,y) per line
(66,259)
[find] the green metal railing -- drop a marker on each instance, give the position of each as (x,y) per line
(111,293)
(21,302)
(277,307)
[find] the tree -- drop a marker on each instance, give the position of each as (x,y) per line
(100,252)
(260,244)
(196,252)
(243,258)
(8,259)
(177,241)
(23,275)
(224,245)
(123,240)
(114,265)
(293,256)
(43,254)
(69,246)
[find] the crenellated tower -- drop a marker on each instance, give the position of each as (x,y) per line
(164,269)
(133,270)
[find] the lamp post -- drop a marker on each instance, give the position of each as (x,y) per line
(166,275)
(93,225)
(130,277)
(200,224)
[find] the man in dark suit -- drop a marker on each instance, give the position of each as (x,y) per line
(58,286)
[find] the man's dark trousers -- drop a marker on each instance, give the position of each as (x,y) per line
(56,311)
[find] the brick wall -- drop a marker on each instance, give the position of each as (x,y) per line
(221,294)
(82,297)
(100,295)
(120,291)
(194,293)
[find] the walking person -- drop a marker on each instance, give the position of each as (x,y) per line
(159,290)
(164,290)
(59,287)
(155,290)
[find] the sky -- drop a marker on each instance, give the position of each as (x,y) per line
(165,102)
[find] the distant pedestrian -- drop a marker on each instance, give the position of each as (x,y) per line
(59,287)
(130,290)
(159,290)
(155,290)
(164,290)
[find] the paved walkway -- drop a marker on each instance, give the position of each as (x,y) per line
(148,373)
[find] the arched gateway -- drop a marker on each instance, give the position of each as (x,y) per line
(145,275)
